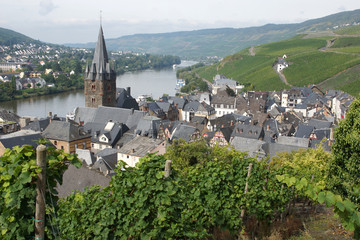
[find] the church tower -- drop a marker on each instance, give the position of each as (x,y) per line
(99,78)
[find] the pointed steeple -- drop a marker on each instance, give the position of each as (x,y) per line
(100,59)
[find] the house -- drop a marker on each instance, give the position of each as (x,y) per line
(129,117)
(248,131)
(125,100)
(220,137)
(104,135)
(186,132)
(179,103)
(19,141)
(9,122)
(106,161)
(223,103)
(156,111)
(253,147)
(195,108)
(148,127)
(139,147)
(281,64)
(221,122)
(169,109)
(67,136)
(221,82)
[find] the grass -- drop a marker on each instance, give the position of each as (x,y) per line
(344,42)
(352,30)
(315,67)
(348,81)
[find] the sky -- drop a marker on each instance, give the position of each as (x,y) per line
(77,21)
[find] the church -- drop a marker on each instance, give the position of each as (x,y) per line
(100,82)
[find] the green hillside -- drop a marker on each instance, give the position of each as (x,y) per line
(223,41)
(311,61)
(8,37)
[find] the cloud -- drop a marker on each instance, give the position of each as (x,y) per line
(46,6)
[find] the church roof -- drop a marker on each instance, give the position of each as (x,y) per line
(100,56)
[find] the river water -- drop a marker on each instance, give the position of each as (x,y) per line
(154,82)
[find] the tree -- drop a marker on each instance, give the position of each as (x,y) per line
(344,170)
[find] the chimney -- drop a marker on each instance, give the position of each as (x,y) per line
(50,114)
(128,90)
(132,150)
(331,134)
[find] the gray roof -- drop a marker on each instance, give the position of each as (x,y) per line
(64,131)
(252,146)
(125,100)
(165,106)
(98,129)
(183,131)
(8,116)
(79,178)
(273,148)
(140,146)
(85,155)
(248,131)
(304,131)
(21,140)
(293,141)
(102,114)
(38,125)
(318,124)
(147,126)
(179,101)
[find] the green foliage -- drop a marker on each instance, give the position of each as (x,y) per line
(132,62)
(310,163)
(18,174)
(140,203)
(344,170)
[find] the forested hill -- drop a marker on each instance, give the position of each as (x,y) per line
(8,37)
(222,41)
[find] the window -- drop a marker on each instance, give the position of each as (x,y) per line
(84,145)
(109,87)
(93,100)
(93,87)
(55,142)
(76,146)
(109,99)
(62,147)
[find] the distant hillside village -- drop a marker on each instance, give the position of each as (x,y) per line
(114,127)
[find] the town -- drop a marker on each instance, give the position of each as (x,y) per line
(114,126)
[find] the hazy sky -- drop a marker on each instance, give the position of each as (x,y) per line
(77,21)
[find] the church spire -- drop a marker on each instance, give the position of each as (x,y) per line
(100,59)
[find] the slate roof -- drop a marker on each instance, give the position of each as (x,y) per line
(64,131)
(322,133)
(140,146)
(8,116)
(76,179)
(22,140)
(165,106)
(148,126)
(199,120)
(318,124)
(223,121)
(178,101)
(125,100)
(252,146)
(273,148)
(223,98)
(248,131)
(38,125)
(304,131)
(294,141)
(102,114)
(183,131)
(85,155)
(98,129)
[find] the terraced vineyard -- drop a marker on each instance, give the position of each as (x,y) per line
(326,61)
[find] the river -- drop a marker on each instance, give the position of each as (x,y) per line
(154,82)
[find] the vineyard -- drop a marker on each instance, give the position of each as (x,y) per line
(207,190)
